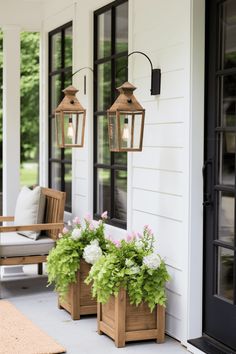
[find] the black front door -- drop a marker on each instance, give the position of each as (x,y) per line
(220,175)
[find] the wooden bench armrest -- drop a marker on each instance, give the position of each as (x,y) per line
(34,227)
(7,218)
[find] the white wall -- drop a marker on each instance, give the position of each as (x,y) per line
(160,178)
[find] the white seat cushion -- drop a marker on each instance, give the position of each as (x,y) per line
(12,245)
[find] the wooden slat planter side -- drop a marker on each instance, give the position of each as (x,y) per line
(79,300)
(124,322)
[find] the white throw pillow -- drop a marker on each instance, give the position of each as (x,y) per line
(30,207)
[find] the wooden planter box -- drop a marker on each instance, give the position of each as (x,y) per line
(79,300)
(124,322)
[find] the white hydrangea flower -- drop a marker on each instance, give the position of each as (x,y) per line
(76,233)
(92,252)
(129,262)
(135,269)
(152,261)
(139,243)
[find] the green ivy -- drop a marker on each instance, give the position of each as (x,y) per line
(63,261)
(123,267)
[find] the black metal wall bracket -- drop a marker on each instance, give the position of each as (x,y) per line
(85,78)
(155,75)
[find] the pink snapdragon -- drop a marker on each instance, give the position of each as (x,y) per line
(116,243)
(76,220)
(148,229)
(104,215)
(65,230)
(88,218)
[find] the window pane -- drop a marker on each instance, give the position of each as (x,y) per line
(68,47)
(225,273)
(104,35)
(68,154)
(121,72)
(226,217)
(55,51)
(120,211)
(122,28)
(68,184)
(55,151)
(228,101)
(56,175)
(103,190)
(68,78)
(228,23)
(120,158)
(227,159)
(104,86)
(55,92)
(103,151)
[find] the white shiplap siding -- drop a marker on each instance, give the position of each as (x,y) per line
(159,172)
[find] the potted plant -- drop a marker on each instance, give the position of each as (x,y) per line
(69,262)
(129,283)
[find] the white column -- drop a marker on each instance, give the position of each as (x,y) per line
(11,118)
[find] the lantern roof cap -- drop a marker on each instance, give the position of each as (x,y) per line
(70,102)
(126,101)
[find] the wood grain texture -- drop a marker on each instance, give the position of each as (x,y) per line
(54,214)
(124,322)
(79,299)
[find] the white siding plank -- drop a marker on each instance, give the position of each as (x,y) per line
(160,158)
(158,181)
(166,135)
(164,111)
(158,204)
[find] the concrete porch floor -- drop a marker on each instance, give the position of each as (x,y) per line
(39,303)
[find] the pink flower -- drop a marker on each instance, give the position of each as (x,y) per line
(88,218)
(104,215)
(65,230)
(116,243)
(91,227)
(129,238)
(76,220)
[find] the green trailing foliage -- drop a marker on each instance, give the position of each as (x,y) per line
(63,260)
(133,265)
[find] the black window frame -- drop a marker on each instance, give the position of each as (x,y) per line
(112,167)
(62,72)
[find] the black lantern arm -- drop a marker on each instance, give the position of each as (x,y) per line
(85,81)
(155,74)
(85,67)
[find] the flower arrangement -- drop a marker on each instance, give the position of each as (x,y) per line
(75,243)
(131,264)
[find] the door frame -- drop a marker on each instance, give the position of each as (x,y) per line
(194,273)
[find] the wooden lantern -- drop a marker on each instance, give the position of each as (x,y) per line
(126,121)
(70,120)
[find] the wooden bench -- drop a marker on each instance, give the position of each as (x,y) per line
(53,225)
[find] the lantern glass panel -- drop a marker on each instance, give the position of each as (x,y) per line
(130,130)
(59,128)
(73,128)
(113,132)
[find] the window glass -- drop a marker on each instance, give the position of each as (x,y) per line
(122,27)
(104,35)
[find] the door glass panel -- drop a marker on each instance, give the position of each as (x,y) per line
(56,51)
(104,86)
(122,27)
(227,159)
(103,151)
(120,195)
(228,28)
(104,35)
(228,101)
(226,217)
(103,190)
(225,273)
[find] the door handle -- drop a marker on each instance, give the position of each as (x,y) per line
(207,198)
